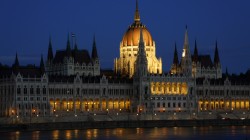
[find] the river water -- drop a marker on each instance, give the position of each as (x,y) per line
(169,133)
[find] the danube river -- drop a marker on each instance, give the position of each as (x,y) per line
(170,133)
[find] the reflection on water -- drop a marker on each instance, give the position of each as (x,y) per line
(55,134)
(204,133)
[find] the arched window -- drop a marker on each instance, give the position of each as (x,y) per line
(44,90)
(37,90)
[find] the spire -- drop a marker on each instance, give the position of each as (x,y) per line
(16,63)
(137,14)
(42,64)
(50,51)
(68,49)
(186,61)
(195,52)
(75,48)
(227,72)
(186,37)
(141,44)
(186,51)
(176,60)
(216,54)
(94,50)
(141,60)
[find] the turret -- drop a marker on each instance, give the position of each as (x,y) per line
(186,62)
(42,68)
(94,50)
(175,65)
(195,56)
(175,60)
(15,66)
(216,55)
(68,49)
(50,51)
(141,60)
(16,63)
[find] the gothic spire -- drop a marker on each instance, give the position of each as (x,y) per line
(216,54)
(186,38)
(68,49)
(42,64)
(186,61)
(141,60)
(137,14)
(75,48)
(195,52)
(50,51)
(94,50)
(16,63)
(186,51)
(175,60)
(227,72)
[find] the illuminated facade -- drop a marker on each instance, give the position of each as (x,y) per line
(72,61)
(71,83)
(125,65)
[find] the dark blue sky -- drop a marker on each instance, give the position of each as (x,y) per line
(25,27)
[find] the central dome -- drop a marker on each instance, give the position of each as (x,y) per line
(132,35)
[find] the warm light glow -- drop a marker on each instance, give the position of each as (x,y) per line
(183,53)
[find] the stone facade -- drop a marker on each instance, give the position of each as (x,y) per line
(72,83)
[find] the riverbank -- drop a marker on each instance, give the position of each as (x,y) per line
(122,124)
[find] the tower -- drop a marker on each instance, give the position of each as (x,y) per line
(42,68)
(217,63)
(175,68)
(95,58)
(141,63)
(50,51)
(129,46)
(186,62)
(140,77)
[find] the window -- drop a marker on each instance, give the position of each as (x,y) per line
(31,90)
(168,104)
(44,90)
(179,104)
(173,104)
(25,90)
(158,104)
(163,104)
(37,90)
(18,90)
(44,98)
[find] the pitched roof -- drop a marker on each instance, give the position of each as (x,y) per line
(205,60)
(80,56)
(25,71)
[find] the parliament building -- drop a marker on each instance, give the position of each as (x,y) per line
(71,81)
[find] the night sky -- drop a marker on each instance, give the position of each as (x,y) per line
(26,25)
